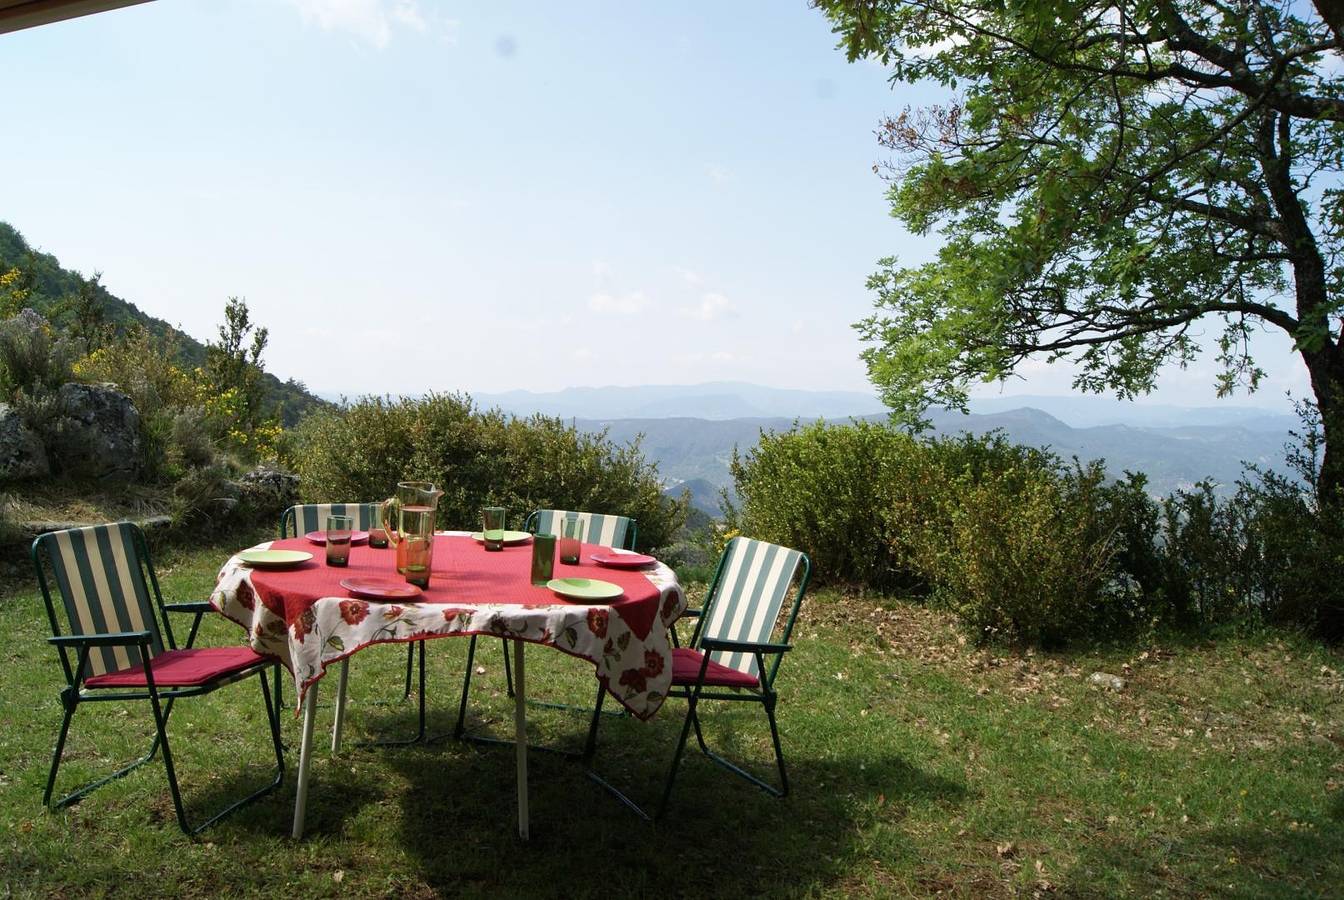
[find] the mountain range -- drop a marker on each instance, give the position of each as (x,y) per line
(1175,446)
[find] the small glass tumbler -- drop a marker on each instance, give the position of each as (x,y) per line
(414,558)
(339,530)
(377,538)
(543,559)
(571,539)
(492,531)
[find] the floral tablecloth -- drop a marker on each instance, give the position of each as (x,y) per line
(306,619)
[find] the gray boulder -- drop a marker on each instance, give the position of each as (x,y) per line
(96,434)
(22,455)
(268,492)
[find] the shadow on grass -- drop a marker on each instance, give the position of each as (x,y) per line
(721,835)
(1264,860)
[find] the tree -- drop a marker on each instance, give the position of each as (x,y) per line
(1109,177)
(87,313)
(233,365)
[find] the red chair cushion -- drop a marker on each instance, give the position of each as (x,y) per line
(686,670)
(183,668)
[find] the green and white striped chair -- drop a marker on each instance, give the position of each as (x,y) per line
(308,517)
(118,645)
(607,530)
(739,626)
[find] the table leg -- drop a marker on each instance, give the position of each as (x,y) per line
(305,755)
(339,724)
(520,735)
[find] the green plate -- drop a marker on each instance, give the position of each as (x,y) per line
(585,588)
(510,537)
(273,559)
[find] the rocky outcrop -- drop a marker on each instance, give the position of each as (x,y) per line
(22,454)
(96,434)
(268,492)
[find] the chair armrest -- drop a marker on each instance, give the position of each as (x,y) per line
(110,639)
(196,606)
(715,645)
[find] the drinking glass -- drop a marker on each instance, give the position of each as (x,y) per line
(415,553)
(571,538)
(543,558)
(339,530)
(377,537)
(492,532)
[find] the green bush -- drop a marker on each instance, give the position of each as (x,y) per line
(848,496)
(478,458)
(1021,546)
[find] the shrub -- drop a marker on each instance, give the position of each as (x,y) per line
(478,459)
(32,358)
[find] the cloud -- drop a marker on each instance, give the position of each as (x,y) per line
(718,174)
(371,21)
(690,276)
(710,307)
(628,304)
(582,354)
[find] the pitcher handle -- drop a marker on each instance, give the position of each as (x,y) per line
(386,514)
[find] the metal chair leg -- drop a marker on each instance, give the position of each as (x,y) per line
(420,729)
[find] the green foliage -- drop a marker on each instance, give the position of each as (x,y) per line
(1018,545)
(1104,176)
(33,359)
(478,458)
(86,314)
(1023,547)
(37,280)
(237,398)
(848,496)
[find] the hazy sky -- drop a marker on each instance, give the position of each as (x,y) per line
(416,195)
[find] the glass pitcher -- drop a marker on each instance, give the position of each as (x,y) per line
(408,517)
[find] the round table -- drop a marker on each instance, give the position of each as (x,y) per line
(305,618)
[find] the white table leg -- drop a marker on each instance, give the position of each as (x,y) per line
(339,724)
(305,754)
(520,735)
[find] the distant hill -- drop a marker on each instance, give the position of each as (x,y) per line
(716,400)
(694,453)
(725,400)
(54,284)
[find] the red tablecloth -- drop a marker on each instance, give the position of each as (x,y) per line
(304,617)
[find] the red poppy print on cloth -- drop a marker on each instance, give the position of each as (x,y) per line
(247,599)
(304,624)
(597,621)
(635,680)
(653,663)
(354,611)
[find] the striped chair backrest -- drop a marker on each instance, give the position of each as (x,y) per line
(307,517)
(101,580)
(608,531)
(752,583)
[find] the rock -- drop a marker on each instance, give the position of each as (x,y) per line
(22,455)
(1107,680)
(268,492)
(96,433)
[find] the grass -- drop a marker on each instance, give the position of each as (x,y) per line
(919,764)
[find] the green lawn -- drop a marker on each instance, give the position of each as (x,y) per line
(920,764)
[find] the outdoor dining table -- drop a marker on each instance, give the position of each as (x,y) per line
(305,618)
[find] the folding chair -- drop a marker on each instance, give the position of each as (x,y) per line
(308,517)
(115,649)
(726,656)
(608,531)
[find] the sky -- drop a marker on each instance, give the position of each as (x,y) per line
(418,195)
